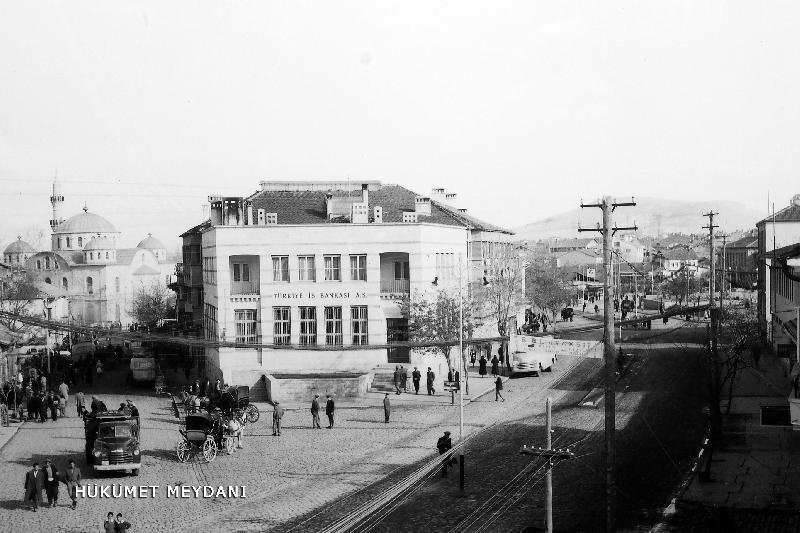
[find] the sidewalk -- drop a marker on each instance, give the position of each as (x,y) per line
(758,467)
(7,433)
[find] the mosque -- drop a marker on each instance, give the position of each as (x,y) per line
(85,267)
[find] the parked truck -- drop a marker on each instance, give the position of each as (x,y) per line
(112,441)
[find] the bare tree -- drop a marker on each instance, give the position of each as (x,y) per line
(18,292)
(502,287)
(548,287)
(151,304)
(434,317)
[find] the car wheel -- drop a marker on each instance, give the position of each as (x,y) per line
(135,472)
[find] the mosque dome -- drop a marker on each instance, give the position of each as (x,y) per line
(86,222)
(19,247)
(151,243)
(99,243)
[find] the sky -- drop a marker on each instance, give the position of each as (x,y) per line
(521,107)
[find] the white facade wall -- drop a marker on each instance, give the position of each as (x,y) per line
(421,242)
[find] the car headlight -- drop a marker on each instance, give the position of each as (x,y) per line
(136,451)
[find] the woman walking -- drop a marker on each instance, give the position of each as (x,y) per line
(498,386)
(482,366)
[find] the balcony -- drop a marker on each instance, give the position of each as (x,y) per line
(244,287)
(395,286)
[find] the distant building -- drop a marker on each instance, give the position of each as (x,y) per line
(739,258)
(677,259)
(785,298)
(572,245)
(774,232)
(312,264)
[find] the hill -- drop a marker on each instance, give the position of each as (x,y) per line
(651,215)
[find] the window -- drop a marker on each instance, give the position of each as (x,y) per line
(91,255)
(47,263)
(280,268)
(106,255)
(308,326)
(38,265)
(358,323)
(69,242)
(246,326)
(89,286)
(64,283)
(241,272)
(358,267)
(333,268)
(333,325)
(80,242)
(116,284)
(282,325)
(209,270)
(401,269)
(306,268)
(210,321)
(58,243)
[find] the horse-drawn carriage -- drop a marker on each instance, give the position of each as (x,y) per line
(235,399)
(204,435)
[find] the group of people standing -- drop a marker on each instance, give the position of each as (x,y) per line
(400,380)
(330,409)
(47,479)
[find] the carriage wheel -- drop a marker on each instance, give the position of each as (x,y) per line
(252,413)
(183,450)
(229,444)
(209,449)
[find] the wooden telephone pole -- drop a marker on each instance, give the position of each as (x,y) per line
(551,454)
(609,349)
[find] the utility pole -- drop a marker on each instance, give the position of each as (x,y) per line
(710,229)
(550,454)
(609,350)
(716,422)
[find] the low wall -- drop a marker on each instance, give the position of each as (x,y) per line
(294,388)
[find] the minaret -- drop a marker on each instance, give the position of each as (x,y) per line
(57,201)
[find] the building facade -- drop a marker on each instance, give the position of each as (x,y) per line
(311,264)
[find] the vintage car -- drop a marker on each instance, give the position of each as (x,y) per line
(112,441)
(532,362)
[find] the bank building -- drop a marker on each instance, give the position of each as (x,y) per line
(325,264)
(86,277)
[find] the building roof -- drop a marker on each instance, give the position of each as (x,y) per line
(145,270)
(745,242)
(19,247)
(786,252)
(125,255)
(151,243)
(86,222)
(791,213)
(197,229)
(680,253)
(72,258)
(99,243)
(308,207)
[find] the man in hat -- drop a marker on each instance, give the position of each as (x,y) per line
(34,485)
(444,444)
(387,407)
(329,410)
(430,380)
(315,412)
(277,414)
(72,477)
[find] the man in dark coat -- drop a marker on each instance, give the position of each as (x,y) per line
(387,407)
(495,367)
(430,379)
(51,482)
(72,477)
(315,412)
(329,410)
(52,403)
(80,403)
(403,378)
(482,365)
(396,379)
(498,386)
(277,415)
(444,444)
(43,407)
(34,485)
(416,376)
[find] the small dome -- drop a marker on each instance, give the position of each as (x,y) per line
(151,243)
(19,247)
(99,243)
(86,222)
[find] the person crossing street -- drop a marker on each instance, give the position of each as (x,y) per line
(277,415)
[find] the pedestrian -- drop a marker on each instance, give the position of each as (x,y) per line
(34,485)
(235,431)
(43,406)
(218,388)
(51,483)
(33,406)
(482,365)
(387,407)
(99,369)
(472,358)
(277,414)
(329,411)
(444,444)
(596,309)
(43,383)
(52,401)
(95,405)
(584,307)
(63,391)
(62,406)
(396,379)
(416,376)
(404,378)
(72,477)
(430,378)
(498,386)
(315,412)
(495,367)
(134,411)
(108,525)
(120,525)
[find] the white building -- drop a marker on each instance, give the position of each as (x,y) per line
(309,263)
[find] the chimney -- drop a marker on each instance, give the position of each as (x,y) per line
(450,198)
(422,206)
(462,210)
(249,221)
(437,193)
(378,215)
(365,194)
(328,202)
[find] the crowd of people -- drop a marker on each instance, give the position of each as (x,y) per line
(47,480)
